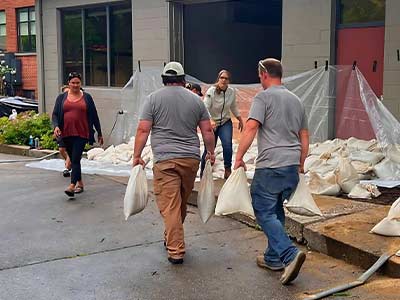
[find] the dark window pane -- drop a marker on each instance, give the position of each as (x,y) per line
(121,44)
(26,29)
(33,42)
(72,42)
(96,46)
(361,11)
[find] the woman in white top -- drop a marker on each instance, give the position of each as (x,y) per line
(220,101)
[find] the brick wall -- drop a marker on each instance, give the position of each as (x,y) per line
(28,62)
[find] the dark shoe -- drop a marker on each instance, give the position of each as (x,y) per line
(262,264)
(293,268)
(79,189)
(227,173)
(66,173)
(175,261)
(70,193)
(165,245)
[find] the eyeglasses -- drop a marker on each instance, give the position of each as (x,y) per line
(260,64)
(73,75)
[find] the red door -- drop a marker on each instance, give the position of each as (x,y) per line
(365,46)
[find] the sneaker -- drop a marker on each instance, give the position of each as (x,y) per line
(175,261)
(66,173)
(262,264)
(293,268)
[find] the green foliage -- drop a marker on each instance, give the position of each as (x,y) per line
(17,131)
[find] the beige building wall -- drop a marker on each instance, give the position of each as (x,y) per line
(306,33)
(150,45)
(391,73)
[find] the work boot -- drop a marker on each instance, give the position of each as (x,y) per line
(227,173)
(293,268)
(262,264)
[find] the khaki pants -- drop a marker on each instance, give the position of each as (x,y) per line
(173,183)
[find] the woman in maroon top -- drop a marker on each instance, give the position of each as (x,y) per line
(73,119)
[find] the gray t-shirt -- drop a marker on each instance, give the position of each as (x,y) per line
(175,113)
(282,116)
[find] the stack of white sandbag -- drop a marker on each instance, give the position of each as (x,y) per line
(338,166)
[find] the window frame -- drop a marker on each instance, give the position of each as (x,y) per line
(82,10)
(354,25)
(29,22)
(5,25)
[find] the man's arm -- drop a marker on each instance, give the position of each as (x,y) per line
(304,141)
(142,133)
(245,142)
(208,138)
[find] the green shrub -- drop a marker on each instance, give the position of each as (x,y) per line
(26,124)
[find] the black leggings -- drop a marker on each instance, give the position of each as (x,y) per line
(75,146)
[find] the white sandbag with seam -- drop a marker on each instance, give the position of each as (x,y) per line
(206,197)
(390,226)
(136,194)
(235,196)
(323,184)
(346,175)
(301,202)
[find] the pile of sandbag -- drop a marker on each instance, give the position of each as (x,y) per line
(336,166)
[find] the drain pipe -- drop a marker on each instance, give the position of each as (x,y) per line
(360,280)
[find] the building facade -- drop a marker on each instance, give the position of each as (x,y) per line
(94,37)
(18,45)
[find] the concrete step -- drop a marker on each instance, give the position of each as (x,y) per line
(342,233)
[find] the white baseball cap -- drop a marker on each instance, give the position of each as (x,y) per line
(173,68)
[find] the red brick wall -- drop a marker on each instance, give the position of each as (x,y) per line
(29,66)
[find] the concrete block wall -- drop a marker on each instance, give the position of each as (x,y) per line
(391,73)
(306,31)
(150,45)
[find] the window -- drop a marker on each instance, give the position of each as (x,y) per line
(97,42)
(2,30)
(26,29)
(361,12)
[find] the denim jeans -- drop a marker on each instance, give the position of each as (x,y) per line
(270,187)
(224,133)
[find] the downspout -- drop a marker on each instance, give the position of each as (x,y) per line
(40,60)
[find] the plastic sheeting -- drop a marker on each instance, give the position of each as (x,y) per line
(338,102)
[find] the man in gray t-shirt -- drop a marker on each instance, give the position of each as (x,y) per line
(172,115)
(280,120)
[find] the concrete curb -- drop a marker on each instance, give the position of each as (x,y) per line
(25,151)
(305,230)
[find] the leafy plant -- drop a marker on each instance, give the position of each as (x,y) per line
(26,124)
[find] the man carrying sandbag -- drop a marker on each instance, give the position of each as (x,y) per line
(172,114)
(280,120)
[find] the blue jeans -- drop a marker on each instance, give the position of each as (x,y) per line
(270,187)
(224,133)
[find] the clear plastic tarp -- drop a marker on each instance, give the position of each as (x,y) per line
(338,101)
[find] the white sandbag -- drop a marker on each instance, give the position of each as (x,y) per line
(92,153)
(136,194)
(235,195)
(206,197)
(387,170)
(393,152)
(301,202)
(364,191)
(346,175)
(361,167)
(312,162)
(365,156)
(323,184)
(390,226)
(326,147)
(358,144)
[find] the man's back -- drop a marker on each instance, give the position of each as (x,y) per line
(175,113)
(282,116)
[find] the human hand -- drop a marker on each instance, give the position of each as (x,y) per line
(240,125)
(211,156)
(100,140)
(301,169)
(239,163)
(57,131)
(138,161)
(213,124)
